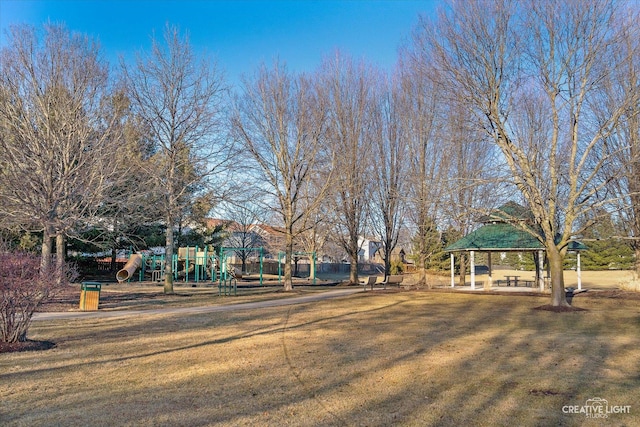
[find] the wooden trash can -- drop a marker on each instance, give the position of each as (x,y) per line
(90,296)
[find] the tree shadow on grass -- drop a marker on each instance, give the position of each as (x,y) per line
(559,309)
(28,345)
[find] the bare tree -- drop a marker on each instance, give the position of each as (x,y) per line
(127,203)
(428,163)
(390,174)
(179,100)
(280,119)
(59,128)
(315,230)
(240,231)
(472,175)
(529,72)
(624,142)
(349,90)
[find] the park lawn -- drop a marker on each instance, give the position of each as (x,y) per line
(376,359)
(598,279)
(150,296)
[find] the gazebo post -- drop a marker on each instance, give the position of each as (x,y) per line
(489,279)
(472,260)
(453,274)
(578,271)
(540,268)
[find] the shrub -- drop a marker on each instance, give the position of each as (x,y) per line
(23,287)
(397,266)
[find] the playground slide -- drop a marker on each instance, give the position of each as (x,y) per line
(129,268)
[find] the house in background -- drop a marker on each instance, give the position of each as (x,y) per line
(272,238)
(369,246)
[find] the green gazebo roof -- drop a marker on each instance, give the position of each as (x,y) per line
(508,213)
(502,237)
(499,233)
(497,237)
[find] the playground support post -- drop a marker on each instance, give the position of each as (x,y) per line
(225,286)
(224,273)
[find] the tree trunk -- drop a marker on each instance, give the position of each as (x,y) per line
(61,250)
(423,268)
(556,272)
(45,261)
(312,266)
(61,254)
(114,249)
(288,282)
(425,278)
(463,269)
(353,257)
(387,263)
(114,254)
(637,251)
(353,271)
(168,260)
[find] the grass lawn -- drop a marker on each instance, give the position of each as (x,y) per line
(371,359)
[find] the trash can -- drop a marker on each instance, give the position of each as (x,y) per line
(89,296)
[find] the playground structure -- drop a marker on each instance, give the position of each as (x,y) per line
(190,264)
(228,277)
(129,268)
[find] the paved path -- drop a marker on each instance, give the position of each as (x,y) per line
(197,310)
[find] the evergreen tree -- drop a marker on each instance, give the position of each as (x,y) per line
(604,252)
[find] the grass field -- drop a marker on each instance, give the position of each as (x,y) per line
(607,279)
(376,359)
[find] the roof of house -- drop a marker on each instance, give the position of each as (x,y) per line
(216,222)
(270,230)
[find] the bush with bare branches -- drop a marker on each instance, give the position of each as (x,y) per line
(23,287)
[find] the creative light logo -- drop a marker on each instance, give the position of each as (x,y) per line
(596,407)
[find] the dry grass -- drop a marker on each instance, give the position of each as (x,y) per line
(630,283)
(607,279)
(149,295)
(378,358)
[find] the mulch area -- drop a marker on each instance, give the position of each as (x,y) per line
(28,345)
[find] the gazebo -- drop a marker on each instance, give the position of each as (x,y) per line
(500,234)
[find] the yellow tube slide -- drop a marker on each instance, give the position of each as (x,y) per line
(129,268)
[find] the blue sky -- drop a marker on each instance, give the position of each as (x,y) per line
(240,34)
